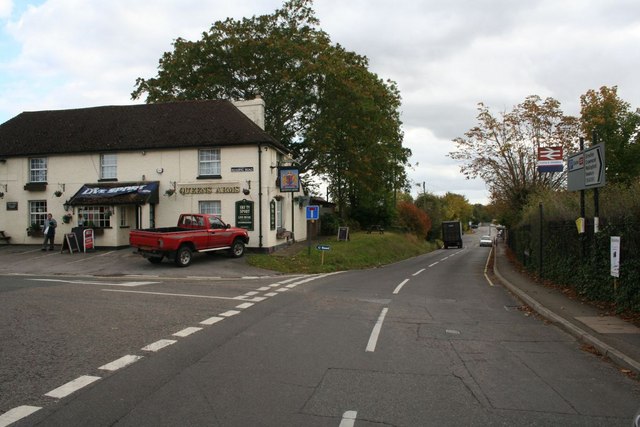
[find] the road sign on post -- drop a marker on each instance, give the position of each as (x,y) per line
(550,159)
(313,212)
(586,169)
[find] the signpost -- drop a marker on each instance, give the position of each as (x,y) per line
(586,169)
(313,214)
(550,159)
(322,249)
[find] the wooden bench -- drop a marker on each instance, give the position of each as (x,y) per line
(281,233)
(378,228)
(3,237)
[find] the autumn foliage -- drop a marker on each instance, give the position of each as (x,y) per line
(414,219)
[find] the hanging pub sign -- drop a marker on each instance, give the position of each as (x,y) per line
(289,179)
(244,214)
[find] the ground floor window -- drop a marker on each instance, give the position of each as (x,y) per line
(124,219)
(37,212)
(94,216)
(279,218)
(211,207)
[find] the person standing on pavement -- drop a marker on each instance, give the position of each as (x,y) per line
(50,225)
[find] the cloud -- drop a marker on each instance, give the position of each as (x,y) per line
(6,6)
(445,56)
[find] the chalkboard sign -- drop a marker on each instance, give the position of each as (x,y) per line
(343,233)
(70,243)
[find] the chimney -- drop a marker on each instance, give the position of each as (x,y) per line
(254,109)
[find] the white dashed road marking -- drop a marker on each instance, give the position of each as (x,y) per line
(187,331)
(120,363)
(158,345)
(211,320)
(397,289)
(229,313)
(72,386)
(373,339)
(244,305)
(348,419)
(16,414)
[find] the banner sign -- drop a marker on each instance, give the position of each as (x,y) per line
(97,190)
(116,193)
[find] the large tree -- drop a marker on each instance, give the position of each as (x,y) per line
(338,118)
(503,150)
(615,124)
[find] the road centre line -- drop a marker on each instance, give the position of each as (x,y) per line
(16,414)
(212,320)
(120,363)
(375,333)
(158,345)
(170,294)
(72,386)
(418,272)
(397,289)
(187,331)
(244,305)
(229,313)
(486,267)
(435,263)
(92,282)
(348,419)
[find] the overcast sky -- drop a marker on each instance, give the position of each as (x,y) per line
(445,56)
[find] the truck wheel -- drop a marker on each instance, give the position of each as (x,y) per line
(237,248)
(155,259)
(183,256)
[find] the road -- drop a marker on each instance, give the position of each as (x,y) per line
(427,341)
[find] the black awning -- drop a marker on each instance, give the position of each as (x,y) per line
(116,193)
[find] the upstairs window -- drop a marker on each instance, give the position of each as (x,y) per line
(209,163)
(108,166)
(38,169)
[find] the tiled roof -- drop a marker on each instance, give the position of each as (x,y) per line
(185,124)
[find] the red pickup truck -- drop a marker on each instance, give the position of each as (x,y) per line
(194,233)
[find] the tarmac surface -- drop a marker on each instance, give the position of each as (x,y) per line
(610,336)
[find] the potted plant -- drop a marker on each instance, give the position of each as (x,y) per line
(34,230)
(57,193)
(169,192)
(278,197)
(66,218)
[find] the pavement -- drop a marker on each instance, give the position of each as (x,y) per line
(610,336)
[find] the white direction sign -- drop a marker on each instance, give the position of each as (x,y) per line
(586,169)
(594,166)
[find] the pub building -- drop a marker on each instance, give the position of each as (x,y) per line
(117,168)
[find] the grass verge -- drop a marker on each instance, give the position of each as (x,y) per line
(363,250)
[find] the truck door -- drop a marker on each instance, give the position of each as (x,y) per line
(217,232)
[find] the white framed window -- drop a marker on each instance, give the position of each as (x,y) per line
(108,166)
(37,212)
(211,207)
(95,216)
(209,162)
(279,219)
(38,169)
(124,220)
